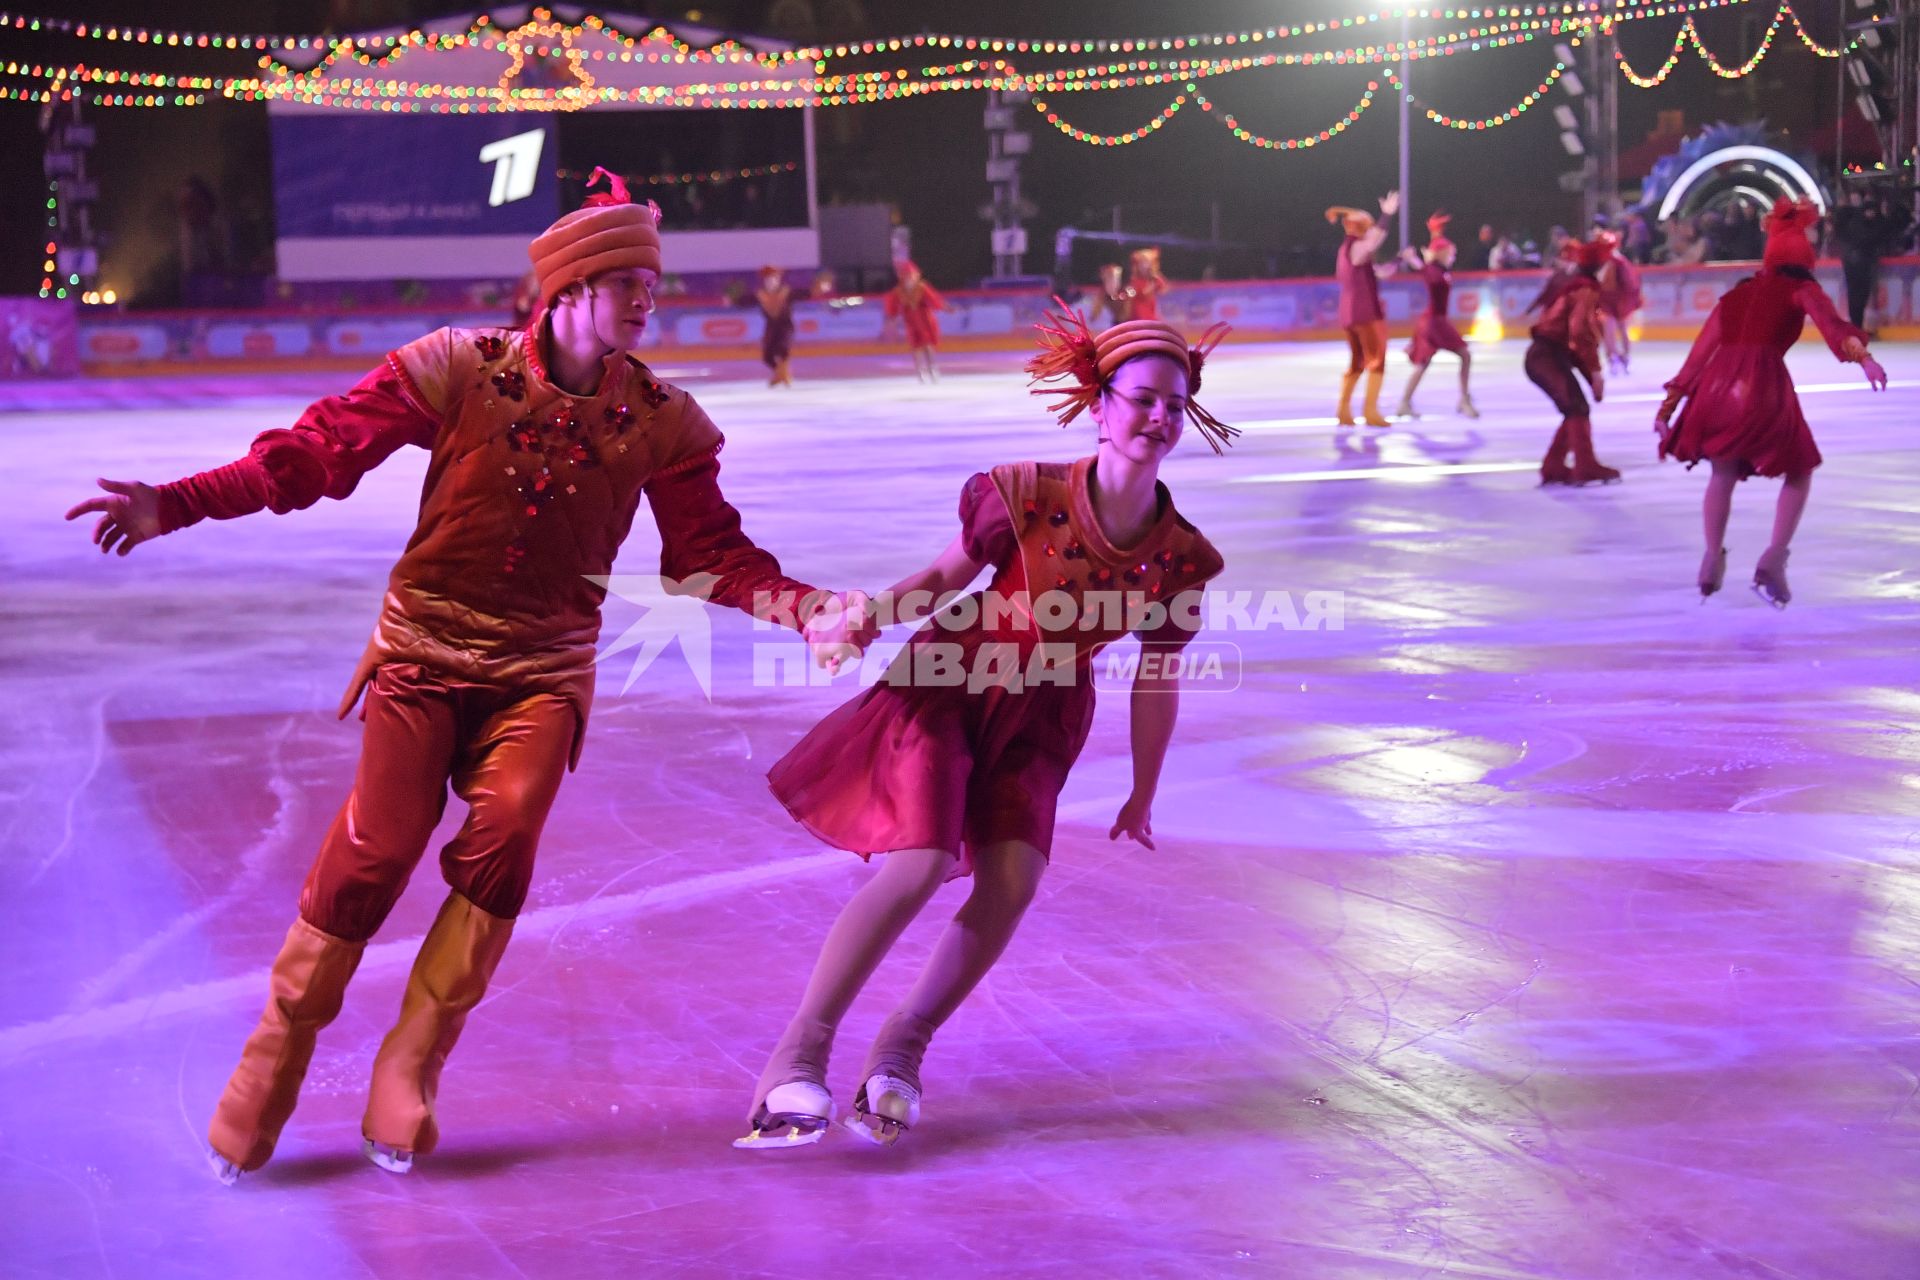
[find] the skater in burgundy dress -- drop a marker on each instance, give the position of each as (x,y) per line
(1433,332)
(951,765)
(1741,413)
(1620,298)
(917,304)
(1146,286)
(775,301)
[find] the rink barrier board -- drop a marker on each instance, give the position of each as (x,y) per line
(1485,306)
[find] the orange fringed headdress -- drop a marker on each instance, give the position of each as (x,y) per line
(1357,222)
(1071,353)
(1437,242)
(1787,242)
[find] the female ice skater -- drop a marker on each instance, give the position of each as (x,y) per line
(1741,413)
(954,777)
(1361,316)
(1565,347)
(1620,298)
(480,669)
(1106,302)
(775,301)
(1146,286)
(1433,332)
(917,304)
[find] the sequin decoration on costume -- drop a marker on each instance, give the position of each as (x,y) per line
(511,383)
(536,489)
(653,393)
(491,348)
(523,436)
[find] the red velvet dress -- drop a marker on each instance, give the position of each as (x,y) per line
(915,763)
(1620,296)
(1143,296)
(1740,399)
(918,305)
(1433,332)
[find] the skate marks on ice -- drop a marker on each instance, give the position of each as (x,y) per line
(395,955)
(1543,924)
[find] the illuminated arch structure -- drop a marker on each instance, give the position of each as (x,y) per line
(1726,165)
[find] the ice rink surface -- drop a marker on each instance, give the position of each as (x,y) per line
(1538,922)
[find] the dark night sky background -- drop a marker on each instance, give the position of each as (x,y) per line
(927,154)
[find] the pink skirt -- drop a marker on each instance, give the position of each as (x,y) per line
(1432,334)
(1744,410)
(916,767)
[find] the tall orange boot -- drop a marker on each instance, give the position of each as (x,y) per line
(1370,408)
(1348,381)
(308,982)
(1553,467)
(456,961)
(1586,467)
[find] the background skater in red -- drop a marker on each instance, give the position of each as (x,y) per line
(1433,332)
(775,301)
(1146,286)
(917,304)
(1566,347)
(1741,413)
(1361,316)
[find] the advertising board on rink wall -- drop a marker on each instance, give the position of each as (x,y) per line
(1486,307)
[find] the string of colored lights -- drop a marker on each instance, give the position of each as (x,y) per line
(1666,68)
(729,50)
(1251,138)
(406,95)
(689,179)
(1689,34)
(1800,30)
(56,90)
(400,95)
(1111,139)
(47,285)
(873,86)
(1728,73)
(1878,166)
(1489,122)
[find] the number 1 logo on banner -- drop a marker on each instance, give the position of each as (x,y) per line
(516,166)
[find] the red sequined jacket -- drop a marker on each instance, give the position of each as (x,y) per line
(530,491)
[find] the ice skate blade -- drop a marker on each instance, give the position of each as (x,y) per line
(392,1159)
(224,1169)
(878,1130)
(797,1133)
(1765,593)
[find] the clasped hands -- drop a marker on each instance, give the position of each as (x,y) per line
(841,629)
